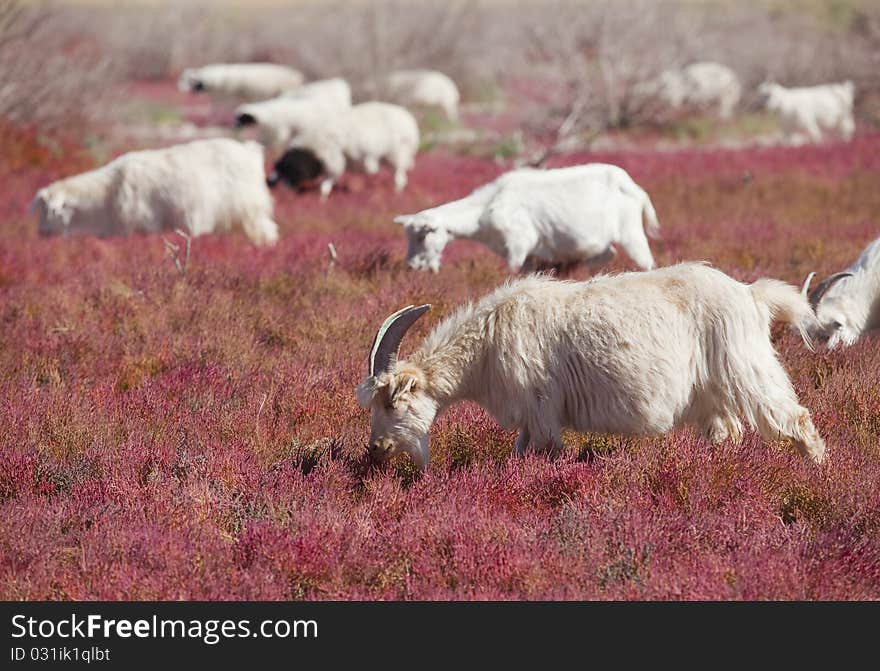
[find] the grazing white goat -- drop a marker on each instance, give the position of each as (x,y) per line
(280,119)
(362,136)
(245,81)
(812,109)
(423,88)
(335,91)
(697,86)
(847,304)
(527,216)
(205,186)
(636,353)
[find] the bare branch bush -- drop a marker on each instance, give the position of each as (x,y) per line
(327,38)
(51,77)
(577,64)
(158,40)
(795,49)
(363,41)
(599,55)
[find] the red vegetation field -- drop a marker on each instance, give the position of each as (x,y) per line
(198,438)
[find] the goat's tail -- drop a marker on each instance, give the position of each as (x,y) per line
(633,190)
(787,304)
(652,225)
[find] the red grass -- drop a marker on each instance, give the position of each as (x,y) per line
(199,438)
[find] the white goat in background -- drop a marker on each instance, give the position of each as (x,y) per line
(243,81)
(423,88)
(531,216)
(697,86)
(847,304)
(636,353)
(812,109)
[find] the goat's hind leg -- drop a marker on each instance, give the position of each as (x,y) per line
(794,423)
(779,414)
(803,433)
(721,427)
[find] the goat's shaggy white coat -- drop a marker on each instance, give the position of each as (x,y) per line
(698,86)
(363,137)
(243,81)
(335,92)
(529,216)
(812,110)
(851,306)
(280,119)
(206,186)
(636,353)
(423,88)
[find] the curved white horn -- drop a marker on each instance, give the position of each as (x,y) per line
(806,286)
(383,353)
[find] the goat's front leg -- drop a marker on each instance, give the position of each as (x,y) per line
(326,187)
(522,442)
(371,165)
(545,444)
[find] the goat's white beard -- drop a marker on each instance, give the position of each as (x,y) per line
(845,337)
(419,452)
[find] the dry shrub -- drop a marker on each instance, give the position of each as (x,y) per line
(357,40)
(52,76)
(363,41)
(596,53)
(159,40)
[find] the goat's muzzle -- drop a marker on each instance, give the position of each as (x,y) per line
(245,119)
(379,450)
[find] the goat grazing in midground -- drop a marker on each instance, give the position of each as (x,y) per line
(205,186)
(361,137)
(847,304)
(279,119)
(532,217)
(636,353)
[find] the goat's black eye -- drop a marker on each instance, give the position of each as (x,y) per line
(836,325)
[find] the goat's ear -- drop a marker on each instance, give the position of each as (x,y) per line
(415,223)
(39,198)
(365,392)
(405,382)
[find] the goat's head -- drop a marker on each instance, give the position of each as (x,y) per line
(244,118)
(296,167)
(836,314)
(55,212)
(425,238)
(766,93)
(189,81)
(395,391)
